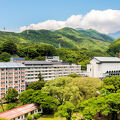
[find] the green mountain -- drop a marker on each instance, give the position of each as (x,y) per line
(66,37)
(114,48)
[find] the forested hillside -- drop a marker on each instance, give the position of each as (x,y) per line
(114,48)
(65,38)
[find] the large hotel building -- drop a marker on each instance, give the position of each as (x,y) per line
(51,68)
(18,72)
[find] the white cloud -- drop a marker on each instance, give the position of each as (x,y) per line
(107,21)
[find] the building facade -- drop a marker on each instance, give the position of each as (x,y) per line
(12,75)
(50,69)
(100,67)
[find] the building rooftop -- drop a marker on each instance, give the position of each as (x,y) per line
(13,58)
(16,112)
(45,63)
(107,59)
(38,62)
(10,65)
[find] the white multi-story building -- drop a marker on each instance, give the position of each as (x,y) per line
(12,75)
(100,67)
(51,68)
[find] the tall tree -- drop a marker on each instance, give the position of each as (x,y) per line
(37,85)
(40,77)
(11,95)
(65,110)
(10,47)
(5,57)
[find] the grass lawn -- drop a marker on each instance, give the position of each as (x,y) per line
(50,117)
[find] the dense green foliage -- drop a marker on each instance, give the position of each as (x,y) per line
(11,106)
(11,95)
(10,47)
(65,110)
(107,103)
(71,89)
(5,57)
(37,115)
(114,48)
(111,84)
(46,102)
(74,75)
(29,117)
(26,96)
(104,105)
(37,85)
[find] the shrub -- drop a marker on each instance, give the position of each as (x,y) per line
(11,106)
(29,117)
(37,115)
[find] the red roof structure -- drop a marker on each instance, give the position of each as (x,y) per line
(16,112)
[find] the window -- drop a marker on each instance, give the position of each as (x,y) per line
(2,82)
(16,81)
(2,73)
(19,117)
(2,69)
(10,82)
(2,88)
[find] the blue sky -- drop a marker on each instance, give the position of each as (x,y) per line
(17,13)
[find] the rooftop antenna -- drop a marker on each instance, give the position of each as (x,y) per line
(4,28)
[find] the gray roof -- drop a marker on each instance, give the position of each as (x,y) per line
(45,63)
(38,62)
(11,65)
(13,58)
(108,59)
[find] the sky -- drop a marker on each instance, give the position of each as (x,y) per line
(20,15)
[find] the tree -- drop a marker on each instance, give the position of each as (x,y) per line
(111,84)
(11,106)
(5,57)
(40,77)
(46,50)
(65,110)
(74,75)
(26,96)
(11,95)
(47,103)
(1,104)
(29,117)
(71,89)
(9,46)
(105,105)
(37,85)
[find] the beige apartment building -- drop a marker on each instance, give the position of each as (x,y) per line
(51,68)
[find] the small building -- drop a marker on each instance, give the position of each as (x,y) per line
(20,113)
(100,67)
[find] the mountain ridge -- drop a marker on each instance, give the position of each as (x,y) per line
(66,37)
